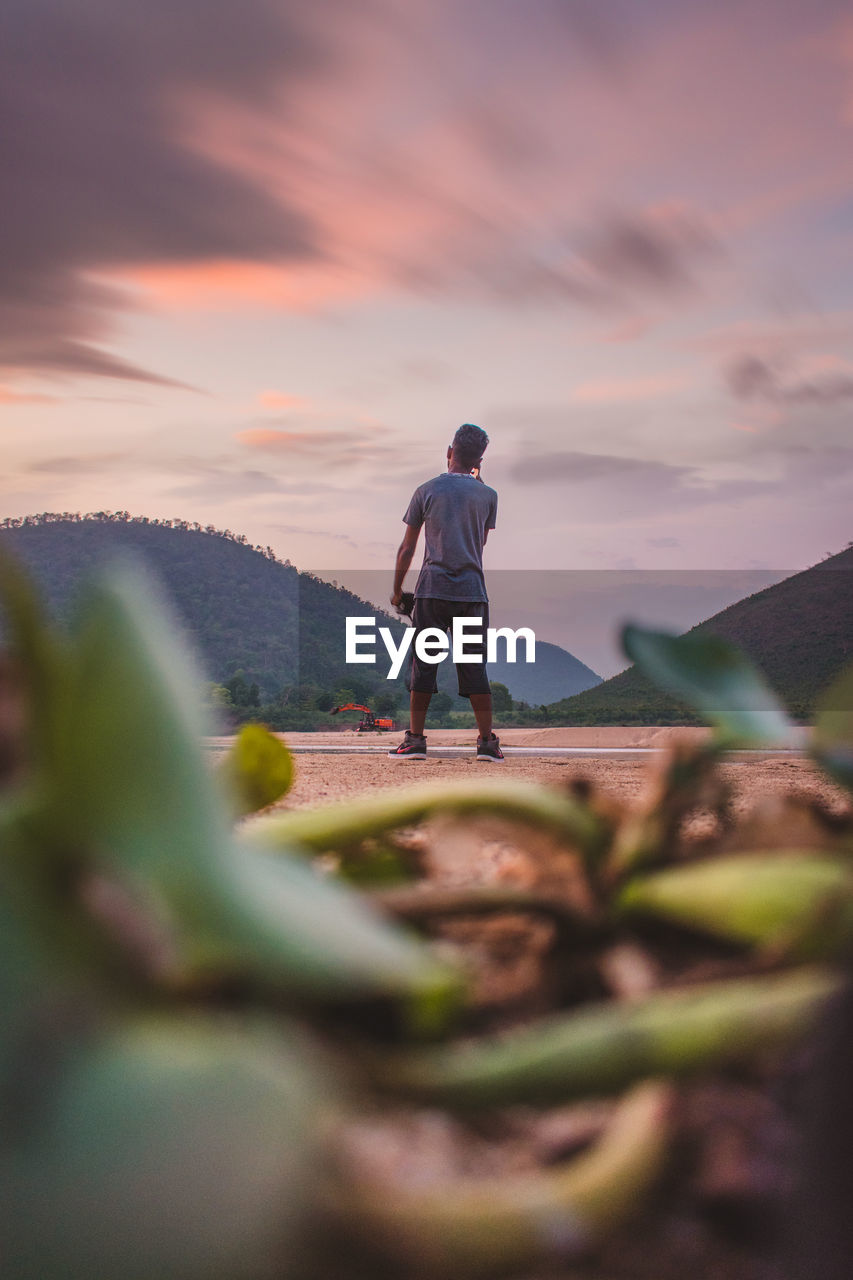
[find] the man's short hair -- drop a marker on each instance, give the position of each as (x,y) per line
(469,444)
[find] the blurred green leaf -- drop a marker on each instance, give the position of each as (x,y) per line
(799,897)
(832,744)
(717,680)
(179,1148)
(601,1048)
(140,795)
(298,929)
(257,771)
(137,788)
(479,1228)
(342,824)
(49,987)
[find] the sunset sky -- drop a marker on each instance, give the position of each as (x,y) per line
(259,259)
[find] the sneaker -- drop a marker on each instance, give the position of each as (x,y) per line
(413,747)
(490,750)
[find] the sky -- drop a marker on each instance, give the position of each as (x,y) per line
(259,259)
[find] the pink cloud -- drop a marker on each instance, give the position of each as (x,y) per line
(782,337)
(447,195)
(322,449)
(490,156)
(757,418)
(631,329)
(280,400)
(621,391)
(10,396)
(273,439)
(225,284)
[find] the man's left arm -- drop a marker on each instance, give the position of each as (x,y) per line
(491,518)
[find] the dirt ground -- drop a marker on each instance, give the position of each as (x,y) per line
(321,778)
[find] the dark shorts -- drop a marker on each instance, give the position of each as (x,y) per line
(471,676)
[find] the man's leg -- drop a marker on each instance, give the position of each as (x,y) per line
(473,681)
(474,685)
(481,705)
(418,707)
(420,682)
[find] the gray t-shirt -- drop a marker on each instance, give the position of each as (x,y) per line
(455,510)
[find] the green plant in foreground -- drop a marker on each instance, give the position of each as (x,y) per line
(717,680)
(497,1225)
(258,770)
(191,1016)
(603,1048)
(137,1117)
(799,899)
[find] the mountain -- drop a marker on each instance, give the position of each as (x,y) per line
(253,618)
(556,673)
(246,613)
(799,632)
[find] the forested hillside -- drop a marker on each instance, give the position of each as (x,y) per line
(264,630)
(799,632)
(270,637)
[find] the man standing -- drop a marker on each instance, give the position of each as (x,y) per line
(456,511)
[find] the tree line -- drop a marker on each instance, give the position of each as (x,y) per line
(125,517)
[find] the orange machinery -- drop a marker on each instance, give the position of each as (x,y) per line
(368,722)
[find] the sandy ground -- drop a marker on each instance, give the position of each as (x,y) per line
(321,778)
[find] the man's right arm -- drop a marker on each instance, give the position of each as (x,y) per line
(404,558)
